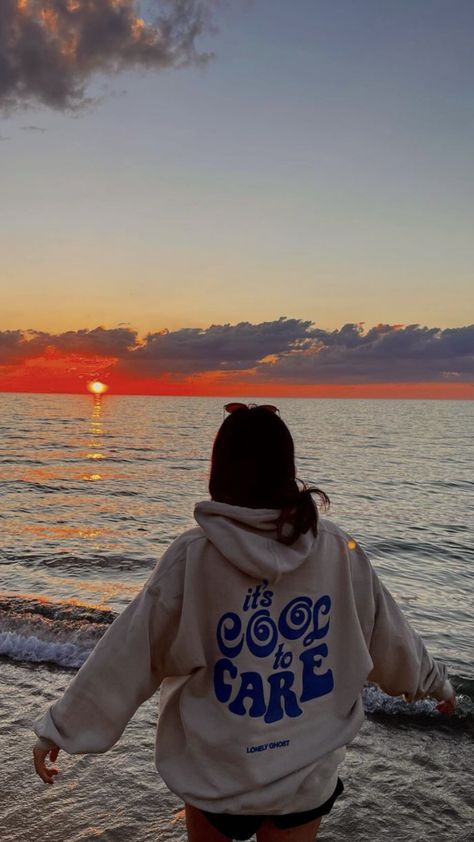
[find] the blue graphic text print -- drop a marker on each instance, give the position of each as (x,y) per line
(292,645)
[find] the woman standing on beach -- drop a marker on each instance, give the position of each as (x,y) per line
(261,626)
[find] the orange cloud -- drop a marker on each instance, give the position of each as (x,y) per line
(54,371)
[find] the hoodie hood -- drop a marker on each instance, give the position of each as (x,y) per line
(247,538)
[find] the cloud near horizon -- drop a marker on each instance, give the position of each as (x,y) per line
(50,49)
(286,350)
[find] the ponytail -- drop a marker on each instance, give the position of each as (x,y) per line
(299,512)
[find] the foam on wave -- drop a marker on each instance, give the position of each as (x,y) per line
(32,649)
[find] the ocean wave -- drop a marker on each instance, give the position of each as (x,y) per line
(68,562)
(66,611)
(449,549)
(43,631)
(20,461)
(28,485)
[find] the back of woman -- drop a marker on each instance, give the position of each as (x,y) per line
(261,625)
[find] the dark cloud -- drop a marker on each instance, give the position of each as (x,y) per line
(11,342)
(32,129)
(17,345)
(49,49)
(218,347)
(284,350)
(111,342)
(385,353)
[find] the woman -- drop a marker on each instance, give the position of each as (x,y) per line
(261,625)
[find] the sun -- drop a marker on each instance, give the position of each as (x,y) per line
(96,387)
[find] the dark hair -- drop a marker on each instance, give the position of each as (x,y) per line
(253,465)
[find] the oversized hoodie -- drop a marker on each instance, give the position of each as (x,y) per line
(261,651)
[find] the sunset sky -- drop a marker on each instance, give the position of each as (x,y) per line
(252,197)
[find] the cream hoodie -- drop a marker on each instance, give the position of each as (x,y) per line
(261,651)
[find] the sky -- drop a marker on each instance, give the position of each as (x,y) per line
(246,197)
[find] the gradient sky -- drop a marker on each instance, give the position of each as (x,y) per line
(320,167)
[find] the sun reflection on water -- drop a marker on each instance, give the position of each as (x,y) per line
(96,430)
(53,529)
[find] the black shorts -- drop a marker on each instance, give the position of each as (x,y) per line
(243,827)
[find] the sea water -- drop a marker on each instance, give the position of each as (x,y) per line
(92,492)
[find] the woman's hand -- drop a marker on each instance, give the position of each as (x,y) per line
(448,706)
(45,772)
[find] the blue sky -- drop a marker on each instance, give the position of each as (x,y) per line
(319,166)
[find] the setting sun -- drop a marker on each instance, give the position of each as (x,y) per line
(96,387)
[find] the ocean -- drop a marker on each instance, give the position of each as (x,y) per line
(93,490)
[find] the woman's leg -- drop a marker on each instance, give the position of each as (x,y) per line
(200,829)
(267,832)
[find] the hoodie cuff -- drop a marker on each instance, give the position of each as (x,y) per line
(444,692)
(45,744)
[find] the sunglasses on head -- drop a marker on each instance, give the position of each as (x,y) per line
(233,407)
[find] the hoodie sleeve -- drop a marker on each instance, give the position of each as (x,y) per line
(401,662)
(124,669)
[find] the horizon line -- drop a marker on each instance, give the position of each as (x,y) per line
(105,396)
